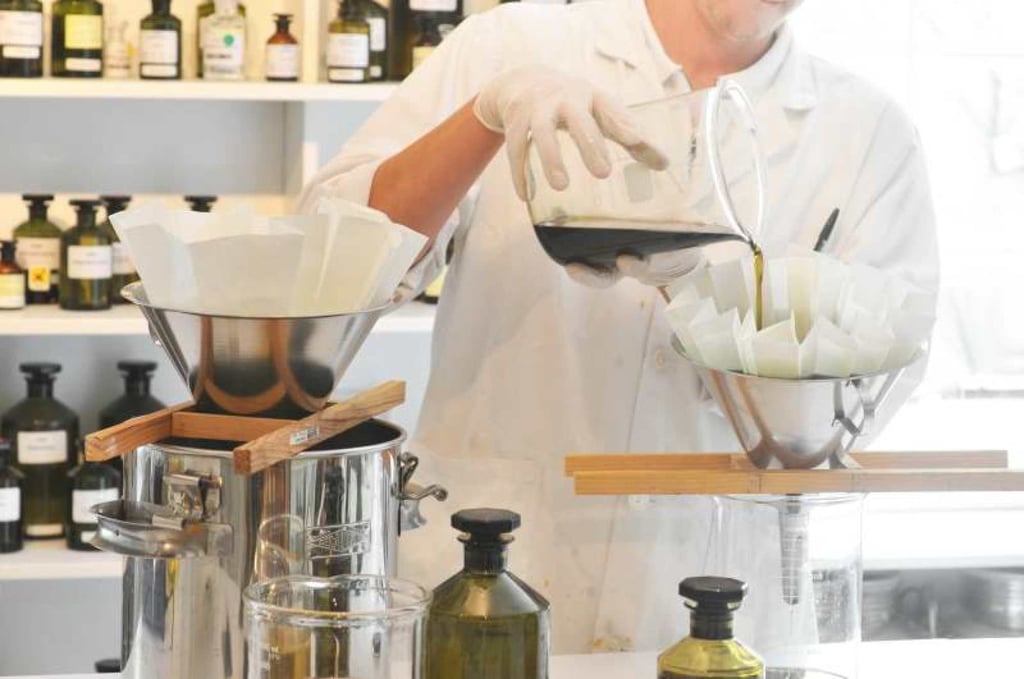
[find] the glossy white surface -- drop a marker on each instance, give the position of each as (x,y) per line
(53,88)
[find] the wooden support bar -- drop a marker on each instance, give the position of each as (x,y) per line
(123,438)
(190,425)
(290,440)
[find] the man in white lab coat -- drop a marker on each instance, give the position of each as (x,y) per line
(528,364)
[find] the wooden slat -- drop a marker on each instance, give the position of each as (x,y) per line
(706,482)
(286,442)
(191,425)
(607,463)
(958,459)
(115,441)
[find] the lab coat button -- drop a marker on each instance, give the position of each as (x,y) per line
(660,359)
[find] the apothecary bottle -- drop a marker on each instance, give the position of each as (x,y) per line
(224,42)
(90,483)
(86,262)
(76,42)
(160,44)
(43,432)
(12,497)
(122,268)
(136,399)
(484,621)
(348,45)
(37,251)
(21,38)
(282,58)
(204,11)
(12,278)
(376,18)
(711,651)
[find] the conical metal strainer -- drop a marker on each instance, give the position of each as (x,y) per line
(273,367)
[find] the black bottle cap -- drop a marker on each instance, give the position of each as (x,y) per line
(108,666)
(85,205)
(40,369)
(712,593)
(115,204)
(283,21)
(485,524)
(137,369)
(37,198)
(201,203)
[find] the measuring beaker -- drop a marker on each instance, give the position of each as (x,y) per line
(801,558)
(345,627)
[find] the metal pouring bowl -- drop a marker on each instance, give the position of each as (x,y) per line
(799,424)
(280,367)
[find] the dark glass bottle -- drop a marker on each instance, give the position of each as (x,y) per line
(160,44)
(21,39)
(710,652)
(426,39)
(348,45)
(11,499)
(201,203)
(283,59)
(136,399)
(484,621)
(376,18)
(43,432)
(90,483)
(399,29)
(122,269)
(37,251)
(12,278)
(76,42)
(204,11)
(86,262)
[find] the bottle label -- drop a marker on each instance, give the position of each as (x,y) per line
(122,262)
(12,290)
(420,54)
(82,502)
(117,60)
(83,32)
(90,262)
(44,530)
(158,53)
(10,505)
(433,5)
(378,34)
(21,34)
(282,61)
(348,51)
(223,51)
(42,447)
(83,65)
(346,75)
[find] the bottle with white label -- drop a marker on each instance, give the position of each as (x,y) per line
(43,432)
(282,55)
(76,39)
(224,43)
(428,37)
(12,278)
(37,251)
(118,51)
(204,12)
(86,262)
(430,21)
(21,39)
(91,483)
(348,45)
(160,44)
(122,269)
(11,482)
(377,18)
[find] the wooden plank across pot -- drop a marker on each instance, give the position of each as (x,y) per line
(268,440)
(728,473)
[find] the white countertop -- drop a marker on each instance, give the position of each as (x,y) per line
(939,659)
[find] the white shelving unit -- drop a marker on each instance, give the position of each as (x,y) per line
(192,90)
(52,560)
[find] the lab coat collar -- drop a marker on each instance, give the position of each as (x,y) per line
(629,37)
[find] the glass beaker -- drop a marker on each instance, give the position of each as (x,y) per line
(349,626)
(801,557)
(640,210)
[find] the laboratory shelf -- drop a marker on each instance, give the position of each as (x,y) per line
(52,560)
(195,90)
(125,320)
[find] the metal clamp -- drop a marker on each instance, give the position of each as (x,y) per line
(192,497)
(411,494)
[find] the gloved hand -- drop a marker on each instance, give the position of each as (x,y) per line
(655,270)
(531,103)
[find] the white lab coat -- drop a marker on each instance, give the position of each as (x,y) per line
(528,366)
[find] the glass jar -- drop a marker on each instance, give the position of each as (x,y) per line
(801,556)
(346,626)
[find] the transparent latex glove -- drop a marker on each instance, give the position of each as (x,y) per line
(530,103)
(655,270)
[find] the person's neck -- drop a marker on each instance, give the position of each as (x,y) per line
(689,41)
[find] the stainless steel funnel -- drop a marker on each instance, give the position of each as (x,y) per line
(800,424)
(281,367)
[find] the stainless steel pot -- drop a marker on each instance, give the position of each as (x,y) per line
(995,596)
(196,534)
